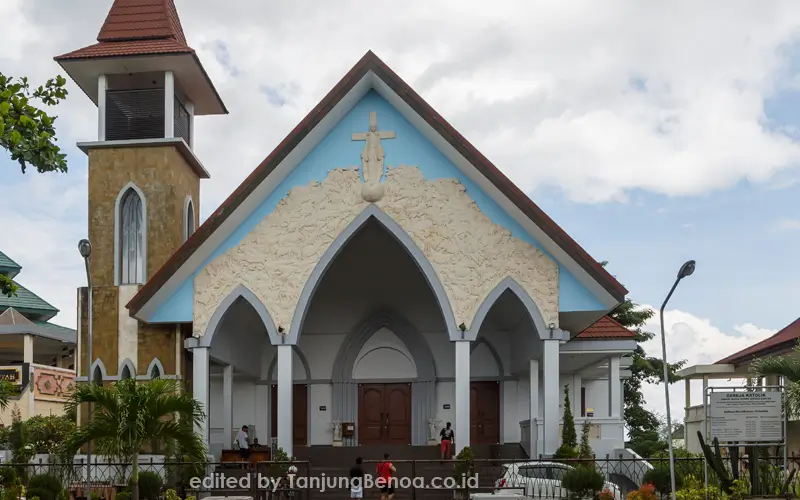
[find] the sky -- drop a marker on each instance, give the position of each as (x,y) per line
(653,133)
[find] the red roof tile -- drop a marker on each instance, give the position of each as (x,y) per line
(371,62)
(129,48)
(788,336)
(135,28)
(606,328)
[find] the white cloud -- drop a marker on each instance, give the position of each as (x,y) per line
(697,341)
(596,100)
(788,225)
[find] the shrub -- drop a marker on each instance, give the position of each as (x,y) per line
(149,485)
(123,495)
(464,466)
(646,492)
(171,494)
(583,481)
(565,453)
(568,435)
(659,477)
(45,486)
(606,494)
(279,469)
(192,497)
(695,490)
(8,476)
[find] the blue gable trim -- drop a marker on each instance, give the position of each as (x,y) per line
(337,150)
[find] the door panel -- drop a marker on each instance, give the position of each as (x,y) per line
(398,414)
(299,414)
(370,413)
(484,412)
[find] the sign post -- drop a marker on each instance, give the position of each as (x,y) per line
(746,416)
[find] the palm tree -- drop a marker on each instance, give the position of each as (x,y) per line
(127,416)
(787,367)
(6,390)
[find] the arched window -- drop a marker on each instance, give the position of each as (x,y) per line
(155,372)
(189,223)
(125,373)
(132,250)
(97,375)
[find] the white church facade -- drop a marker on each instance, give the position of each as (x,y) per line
(383,280)
(374,277)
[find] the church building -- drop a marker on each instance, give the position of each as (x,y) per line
(372,279)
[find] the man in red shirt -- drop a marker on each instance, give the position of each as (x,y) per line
(385,481)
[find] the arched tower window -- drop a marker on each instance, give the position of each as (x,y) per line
(189,223)
(132,235)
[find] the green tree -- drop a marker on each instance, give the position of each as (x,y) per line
(643,425)
(128,415)
(569,438)
(6,391)
(787,367)
(28,133)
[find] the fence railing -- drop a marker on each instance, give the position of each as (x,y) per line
(416,479)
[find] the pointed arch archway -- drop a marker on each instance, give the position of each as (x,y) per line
(425,267)
(508,284)
(423,387)
(239,292)
(492,351)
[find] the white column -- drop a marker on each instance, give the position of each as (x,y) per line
(227,403)
(285,389)
(190,110)
(27,349)
(462,395)
(200,387)
(614,395)
(169,104)
(102,87)
(551,374)
(705,410)
(533,411)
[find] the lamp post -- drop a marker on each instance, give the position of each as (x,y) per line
(85,249)
(686,270)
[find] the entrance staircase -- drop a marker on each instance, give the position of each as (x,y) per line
(411,461)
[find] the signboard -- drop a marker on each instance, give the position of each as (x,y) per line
(11,375)
(746,417)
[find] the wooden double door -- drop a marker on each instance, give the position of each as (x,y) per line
(299,414)
(484,409)
(384,414)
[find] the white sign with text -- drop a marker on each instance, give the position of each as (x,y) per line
(746,417)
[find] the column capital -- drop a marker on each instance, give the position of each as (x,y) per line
(558,334)
(193,343)
(461,340)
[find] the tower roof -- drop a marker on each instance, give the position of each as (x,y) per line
(141,36)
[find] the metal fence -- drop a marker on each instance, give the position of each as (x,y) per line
(414,479)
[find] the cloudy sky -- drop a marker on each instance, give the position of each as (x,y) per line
(652,132)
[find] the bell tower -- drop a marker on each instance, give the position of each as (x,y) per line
(144,179)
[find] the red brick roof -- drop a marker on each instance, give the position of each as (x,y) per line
(135,28)
(784,338)
(606,328)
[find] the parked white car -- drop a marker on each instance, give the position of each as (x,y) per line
(539,480)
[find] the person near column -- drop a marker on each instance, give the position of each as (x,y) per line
(448,437)
(241,440)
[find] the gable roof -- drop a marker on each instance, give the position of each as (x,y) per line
(606,328)
(28,302)
(785,338)
(137,27)
(369,65)
(11,317)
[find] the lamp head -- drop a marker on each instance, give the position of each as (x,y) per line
(686,270)
(85,248)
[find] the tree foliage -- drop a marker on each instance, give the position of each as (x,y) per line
(28,133)
(128,415)
(787,367)
(643,425)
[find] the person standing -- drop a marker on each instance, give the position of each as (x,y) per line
(385,481)
(244,446)
(448,436)
(357,480)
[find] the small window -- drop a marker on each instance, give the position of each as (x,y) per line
(155,372)
(126,373)
(97,376)
(189,220)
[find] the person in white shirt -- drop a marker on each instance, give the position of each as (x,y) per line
(241,440)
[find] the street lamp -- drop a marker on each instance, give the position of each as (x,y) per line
(686,270)
(85,249)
